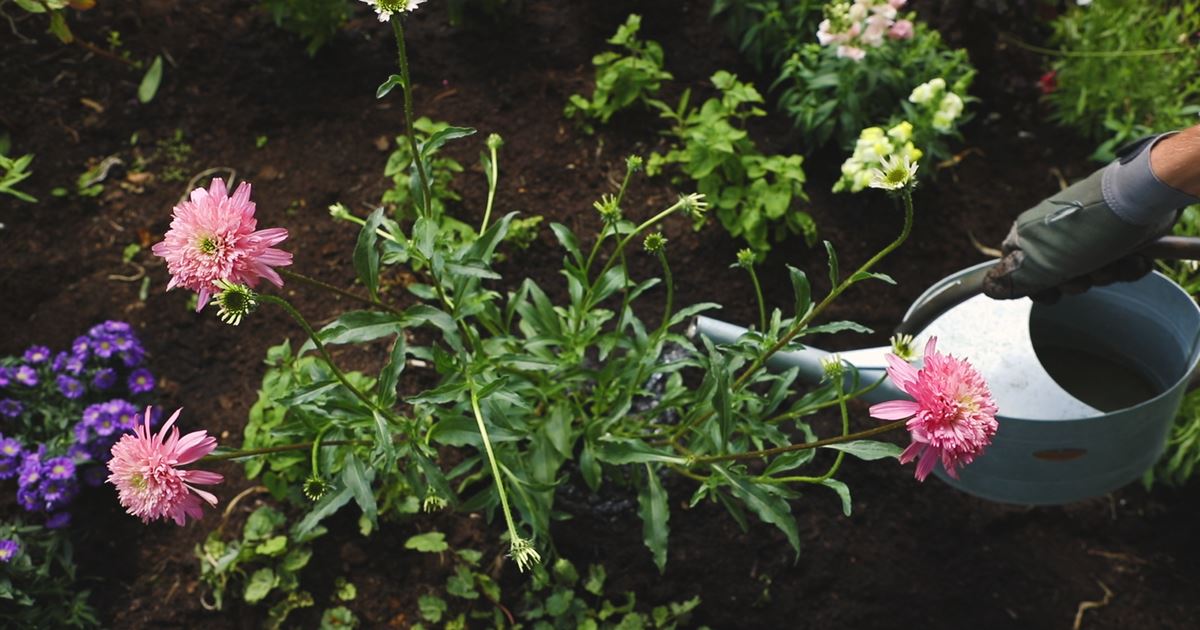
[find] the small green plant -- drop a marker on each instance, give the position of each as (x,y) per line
(262,565)
(13,172)
(176,153)
(753,194)
(56,11)
(405,193)
(314,21)
(1123,70)
(832,97)
(38,588)
(556,598)
(621,79)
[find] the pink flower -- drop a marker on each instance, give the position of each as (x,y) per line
(213,237)
(902,29)
(851,52)
(896,4)
(953,416)
(145,470)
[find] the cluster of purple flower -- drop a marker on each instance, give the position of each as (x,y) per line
(40,386)
(8,549)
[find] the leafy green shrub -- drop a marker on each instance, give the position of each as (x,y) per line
(831,97)
(766,31)
(38,588)
(315,21)
(621,79)
(1126,69)
(753,193)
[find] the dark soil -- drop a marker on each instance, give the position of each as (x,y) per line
(911,555)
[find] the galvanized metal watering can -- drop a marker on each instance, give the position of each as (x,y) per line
(1087,388)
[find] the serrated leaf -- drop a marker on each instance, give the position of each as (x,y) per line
(429,542)
(652,507)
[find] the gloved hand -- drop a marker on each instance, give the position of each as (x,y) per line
(1088,234)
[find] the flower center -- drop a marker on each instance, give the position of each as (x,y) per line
(207,245)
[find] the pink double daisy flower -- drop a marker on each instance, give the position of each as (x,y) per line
(213,237)
(952,416)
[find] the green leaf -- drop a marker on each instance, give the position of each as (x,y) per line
(389,376)
(834,327)
(867,275)
(441,137)
(385,87)
(769,507)
(833,265)
(328,505)
(567,239)
(361,327)
(262,523)
(259,585)
(628,451)
(868,450)
(652,507)
(429,542)
(358,479)
(150,82)
(843,492)
(307,393)
(366,255)
(272,547)
(432,608)
(801,290)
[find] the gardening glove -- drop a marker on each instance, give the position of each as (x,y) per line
(1088,234)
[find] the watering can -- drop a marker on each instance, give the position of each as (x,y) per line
(1087,388)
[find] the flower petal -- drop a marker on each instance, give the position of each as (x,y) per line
(894,409)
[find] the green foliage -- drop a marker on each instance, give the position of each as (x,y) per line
(315,21)
(263,565)
(1126,69)
(621,79)
(830,97)
(13,172)
(38,588)
(405,193)
(753,193)
(56,11)
(766,31)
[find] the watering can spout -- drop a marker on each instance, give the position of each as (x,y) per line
(869,363)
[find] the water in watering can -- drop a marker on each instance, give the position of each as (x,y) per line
(1102,380)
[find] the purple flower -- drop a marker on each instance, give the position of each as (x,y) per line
(103,346)
(29,499)
(141,381)
(10,457)
(106,425)
(5,376)
(74,365)
(92,413)
(60,361)
(60,468)
(79,452)
(31,470)
(81,347)
(8,550)
(58,521)
(11,408)
(133,356)
(69,387)
(37,354)
(123,341)
(57,493)
(104,378)
(114,327)
(27,376)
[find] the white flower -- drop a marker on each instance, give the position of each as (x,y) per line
(902,132)
(858,11)
(951,105)
(897,172)
(851,52)
(885,11)
(386,8)
(943,121)
(877,27)
(851,166)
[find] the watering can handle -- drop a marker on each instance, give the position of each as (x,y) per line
(971,284)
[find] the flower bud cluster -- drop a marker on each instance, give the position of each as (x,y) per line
(945,105)
(855,26)
(874,146)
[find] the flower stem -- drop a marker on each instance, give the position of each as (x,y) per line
(283,448)
(316,339)
(398,29)
(514,537)
(769,452)
(758,294)
(320,284)
(491,196)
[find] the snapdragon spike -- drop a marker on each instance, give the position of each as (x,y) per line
(213,237)
(145,468)
(952,417)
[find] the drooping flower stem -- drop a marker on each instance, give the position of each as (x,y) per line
(320,284)
(629,170)
(398,29)
(800,325)
(320,345)
(520,548)
(770,452)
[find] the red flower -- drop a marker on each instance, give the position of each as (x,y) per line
(1049,82)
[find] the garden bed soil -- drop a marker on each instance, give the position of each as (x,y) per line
(911,554)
